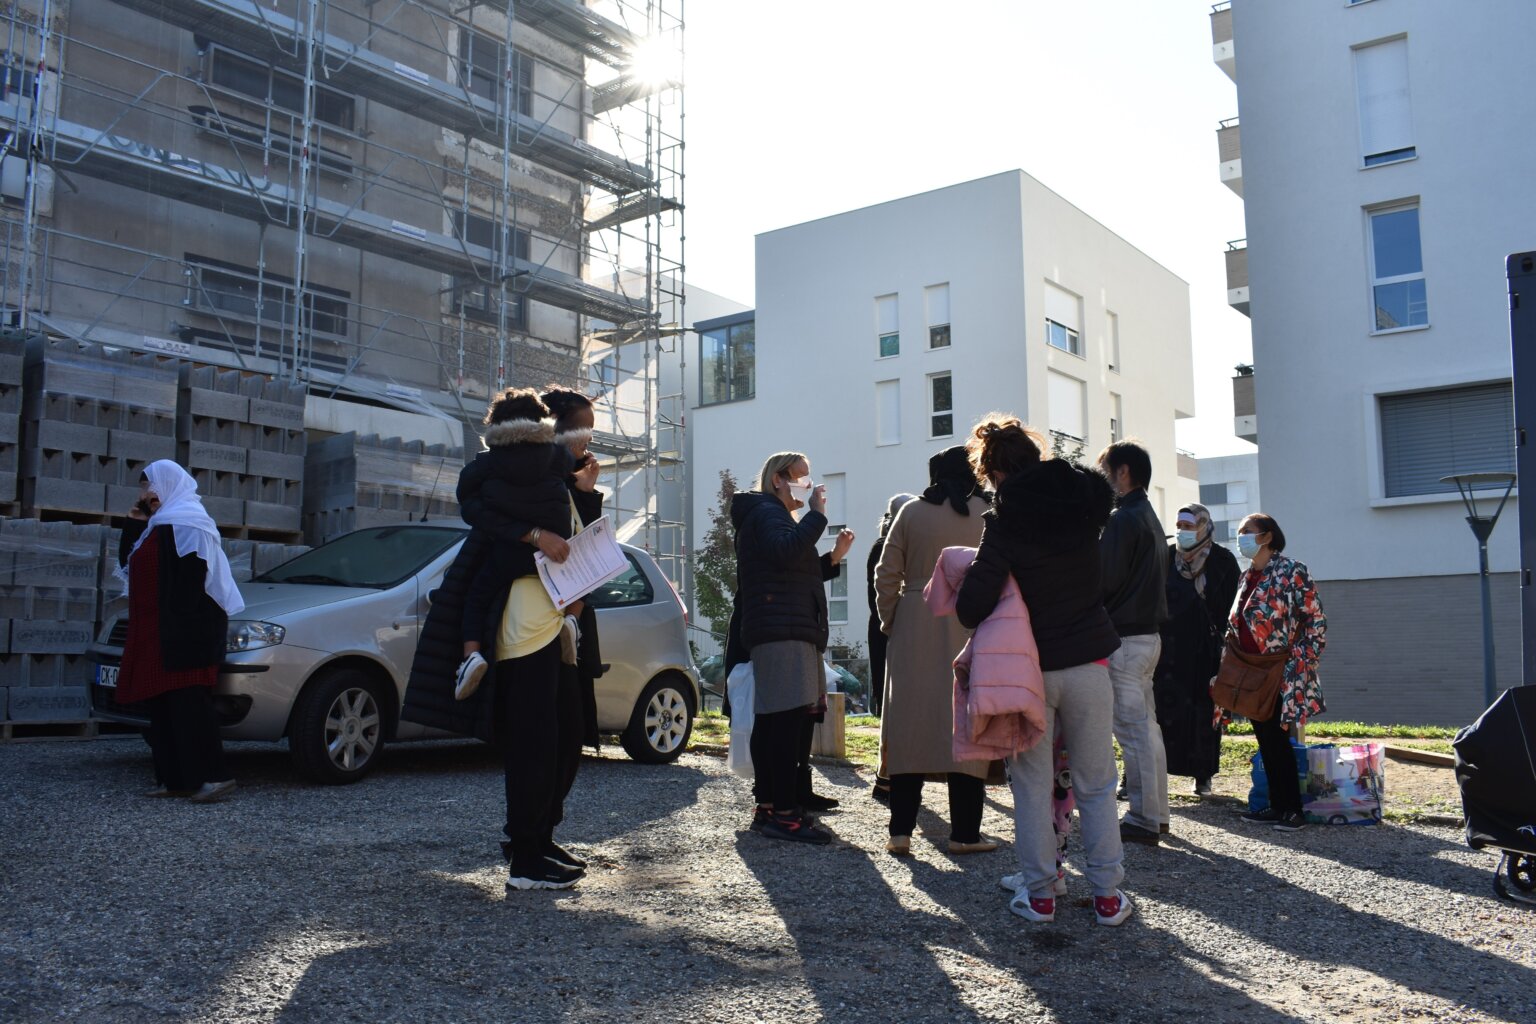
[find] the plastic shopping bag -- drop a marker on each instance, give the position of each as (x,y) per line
(740,687)
(1340,785)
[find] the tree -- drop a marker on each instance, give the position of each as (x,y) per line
(1064,446)
(714,565)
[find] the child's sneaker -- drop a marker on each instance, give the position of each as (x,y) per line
(570,636)
(1034,908)
(471,671)
(1112,910)
(1015,882)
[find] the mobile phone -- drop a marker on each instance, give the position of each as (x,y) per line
(142,505)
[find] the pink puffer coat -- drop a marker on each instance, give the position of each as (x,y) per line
(999,691)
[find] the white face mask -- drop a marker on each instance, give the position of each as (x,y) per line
(1247,544)
(1188,540)
(800,489)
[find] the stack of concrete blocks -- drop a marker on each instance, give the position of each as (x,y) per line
(92,418)
(353,482)
(242,438)
(50,576)
(12,353)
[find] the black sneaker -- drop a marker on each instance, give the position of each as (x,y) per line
(797,828)
(1136,834)
(760,816)
(1268,816)
(542,874)
(1292,822)
(560,855)
(816,802)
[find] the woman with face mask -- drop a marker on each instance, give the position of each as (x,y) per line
(1278,611)
(781,611)
(1202,581)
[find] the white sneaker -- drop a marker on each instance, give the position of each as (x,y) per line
(570,637)
(1112,910)
(1015,882)
(471,671)
(213,792)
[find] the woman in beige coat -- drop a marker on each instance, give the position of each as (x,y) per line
(915,728)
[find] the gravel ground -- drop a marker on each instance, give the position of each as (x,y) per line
(384,902)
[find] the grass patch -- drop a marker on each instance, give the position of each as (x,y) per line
(711,728)
(1360,731)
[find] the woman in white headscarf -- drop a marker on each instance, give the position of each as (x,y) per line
(1202,581)
(180,597)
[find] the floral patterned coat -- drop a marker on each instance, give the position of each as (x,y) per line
(1283,613)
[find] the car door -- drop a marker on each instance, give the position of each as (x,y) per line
(631,620)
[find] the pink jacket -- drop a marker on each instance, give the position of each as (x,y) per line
(999,691)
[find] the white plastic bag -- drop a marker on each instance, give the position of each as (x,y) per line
(741,689)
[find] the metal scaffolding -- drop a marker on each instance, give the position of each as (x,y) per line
(413,202)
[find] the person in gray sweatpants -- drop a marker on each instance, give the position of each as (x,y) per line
(1043,531)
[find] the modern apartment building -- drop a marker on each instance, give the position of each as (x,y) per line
(880,335)
(1384,180)
(405,207)
(1229,488)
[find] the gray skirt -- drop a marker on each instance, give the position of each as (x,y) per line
(786,674)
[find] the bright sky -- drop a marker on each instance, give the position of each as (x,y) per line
(803,108)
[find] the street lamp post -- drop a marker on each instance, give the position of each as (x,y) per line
(1482,528)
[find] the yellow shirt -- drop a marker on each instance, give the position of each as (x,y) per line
(530,621)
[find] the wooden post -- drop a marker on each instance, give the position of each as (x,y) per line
(831,736)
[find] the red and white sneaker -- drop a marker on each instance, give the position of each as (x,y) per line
(1112,910)
(1034,908)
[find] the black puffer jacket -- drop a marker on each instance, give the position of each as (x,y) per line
(516,484)
(1134,555)
(429,694)
(778,572)
(1043,528)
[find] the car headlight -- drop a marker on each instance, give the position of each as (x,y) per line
(247,635)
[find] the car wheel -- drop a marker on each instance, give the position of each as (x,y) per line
(661,723)
(338,728)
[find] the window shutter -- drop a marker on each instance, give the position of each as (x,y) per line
(1429,435)
(888,412)
(1381,84)
(1066,398)
(886,314)
(938,304)
(1062,306)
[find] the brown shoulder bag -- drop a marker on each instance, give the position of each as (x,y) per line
(1249,684)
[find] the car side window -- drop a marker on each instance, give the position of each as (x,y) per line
(626,590)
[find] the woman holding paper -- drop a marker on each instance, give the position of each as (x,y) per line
(782,608)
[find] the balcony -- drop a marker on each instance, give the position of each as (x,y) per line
(1245,413)
(1237,275)
(1221,39)
(1229,149)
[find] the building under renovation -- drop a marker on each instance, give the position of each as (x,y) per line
(380,212)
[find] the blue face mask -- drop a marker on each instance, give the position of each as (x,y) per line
(1248,544)
(1188,540)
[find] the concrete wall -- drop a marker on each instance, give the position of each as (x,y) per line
(1320,365)
(995,242)
(1411,650)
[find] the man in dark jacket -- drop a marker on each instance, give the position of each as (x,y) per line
(1133,555)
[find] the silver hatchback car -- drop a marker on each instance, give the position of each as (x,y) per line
(322,653)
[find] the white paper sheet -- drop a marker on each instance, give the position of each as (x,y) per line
(595,559)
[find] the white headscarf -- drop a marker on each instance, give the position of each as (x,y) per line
(194,530)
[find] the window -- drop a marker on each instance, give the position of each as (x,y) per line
(1115,420)
(728,364)
(1397,269)
(837,588)
(481,65)
(941,405)
(936,298)
(1213,494)
(1381,95)
(259,81)
(1427,435)
(1065,400)
(888,412)
(628,589)
(1112,328)
(887,324)
(1063,319)
(475,298)
(1221,530)
(257,138)
(231,290)
(1237,492)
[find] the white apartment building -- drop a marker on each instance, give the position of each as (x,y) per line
(1385,177)
(880,335)
(1229,488)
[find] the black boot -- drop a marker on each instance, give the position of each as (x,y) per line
(809,800)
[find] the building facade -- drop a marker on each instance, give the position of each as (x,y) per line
(1229,488)
(1381,196)
(881,335)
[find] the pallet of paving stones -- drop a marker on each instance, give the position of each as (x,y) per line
(242,437)
(12,353)
(352,482)
(50,582)
(92,418)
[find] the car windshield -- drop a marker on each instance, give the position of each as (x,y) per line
(377,558)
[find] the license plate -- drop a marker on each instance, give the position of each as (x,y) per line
(106,675)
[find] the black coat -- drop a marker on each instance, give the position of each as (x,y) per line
(516,484)
(736,650)
(1192,644)
(439,649)
(194,630)
(1043,528)
(779,574)
(1133,553)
